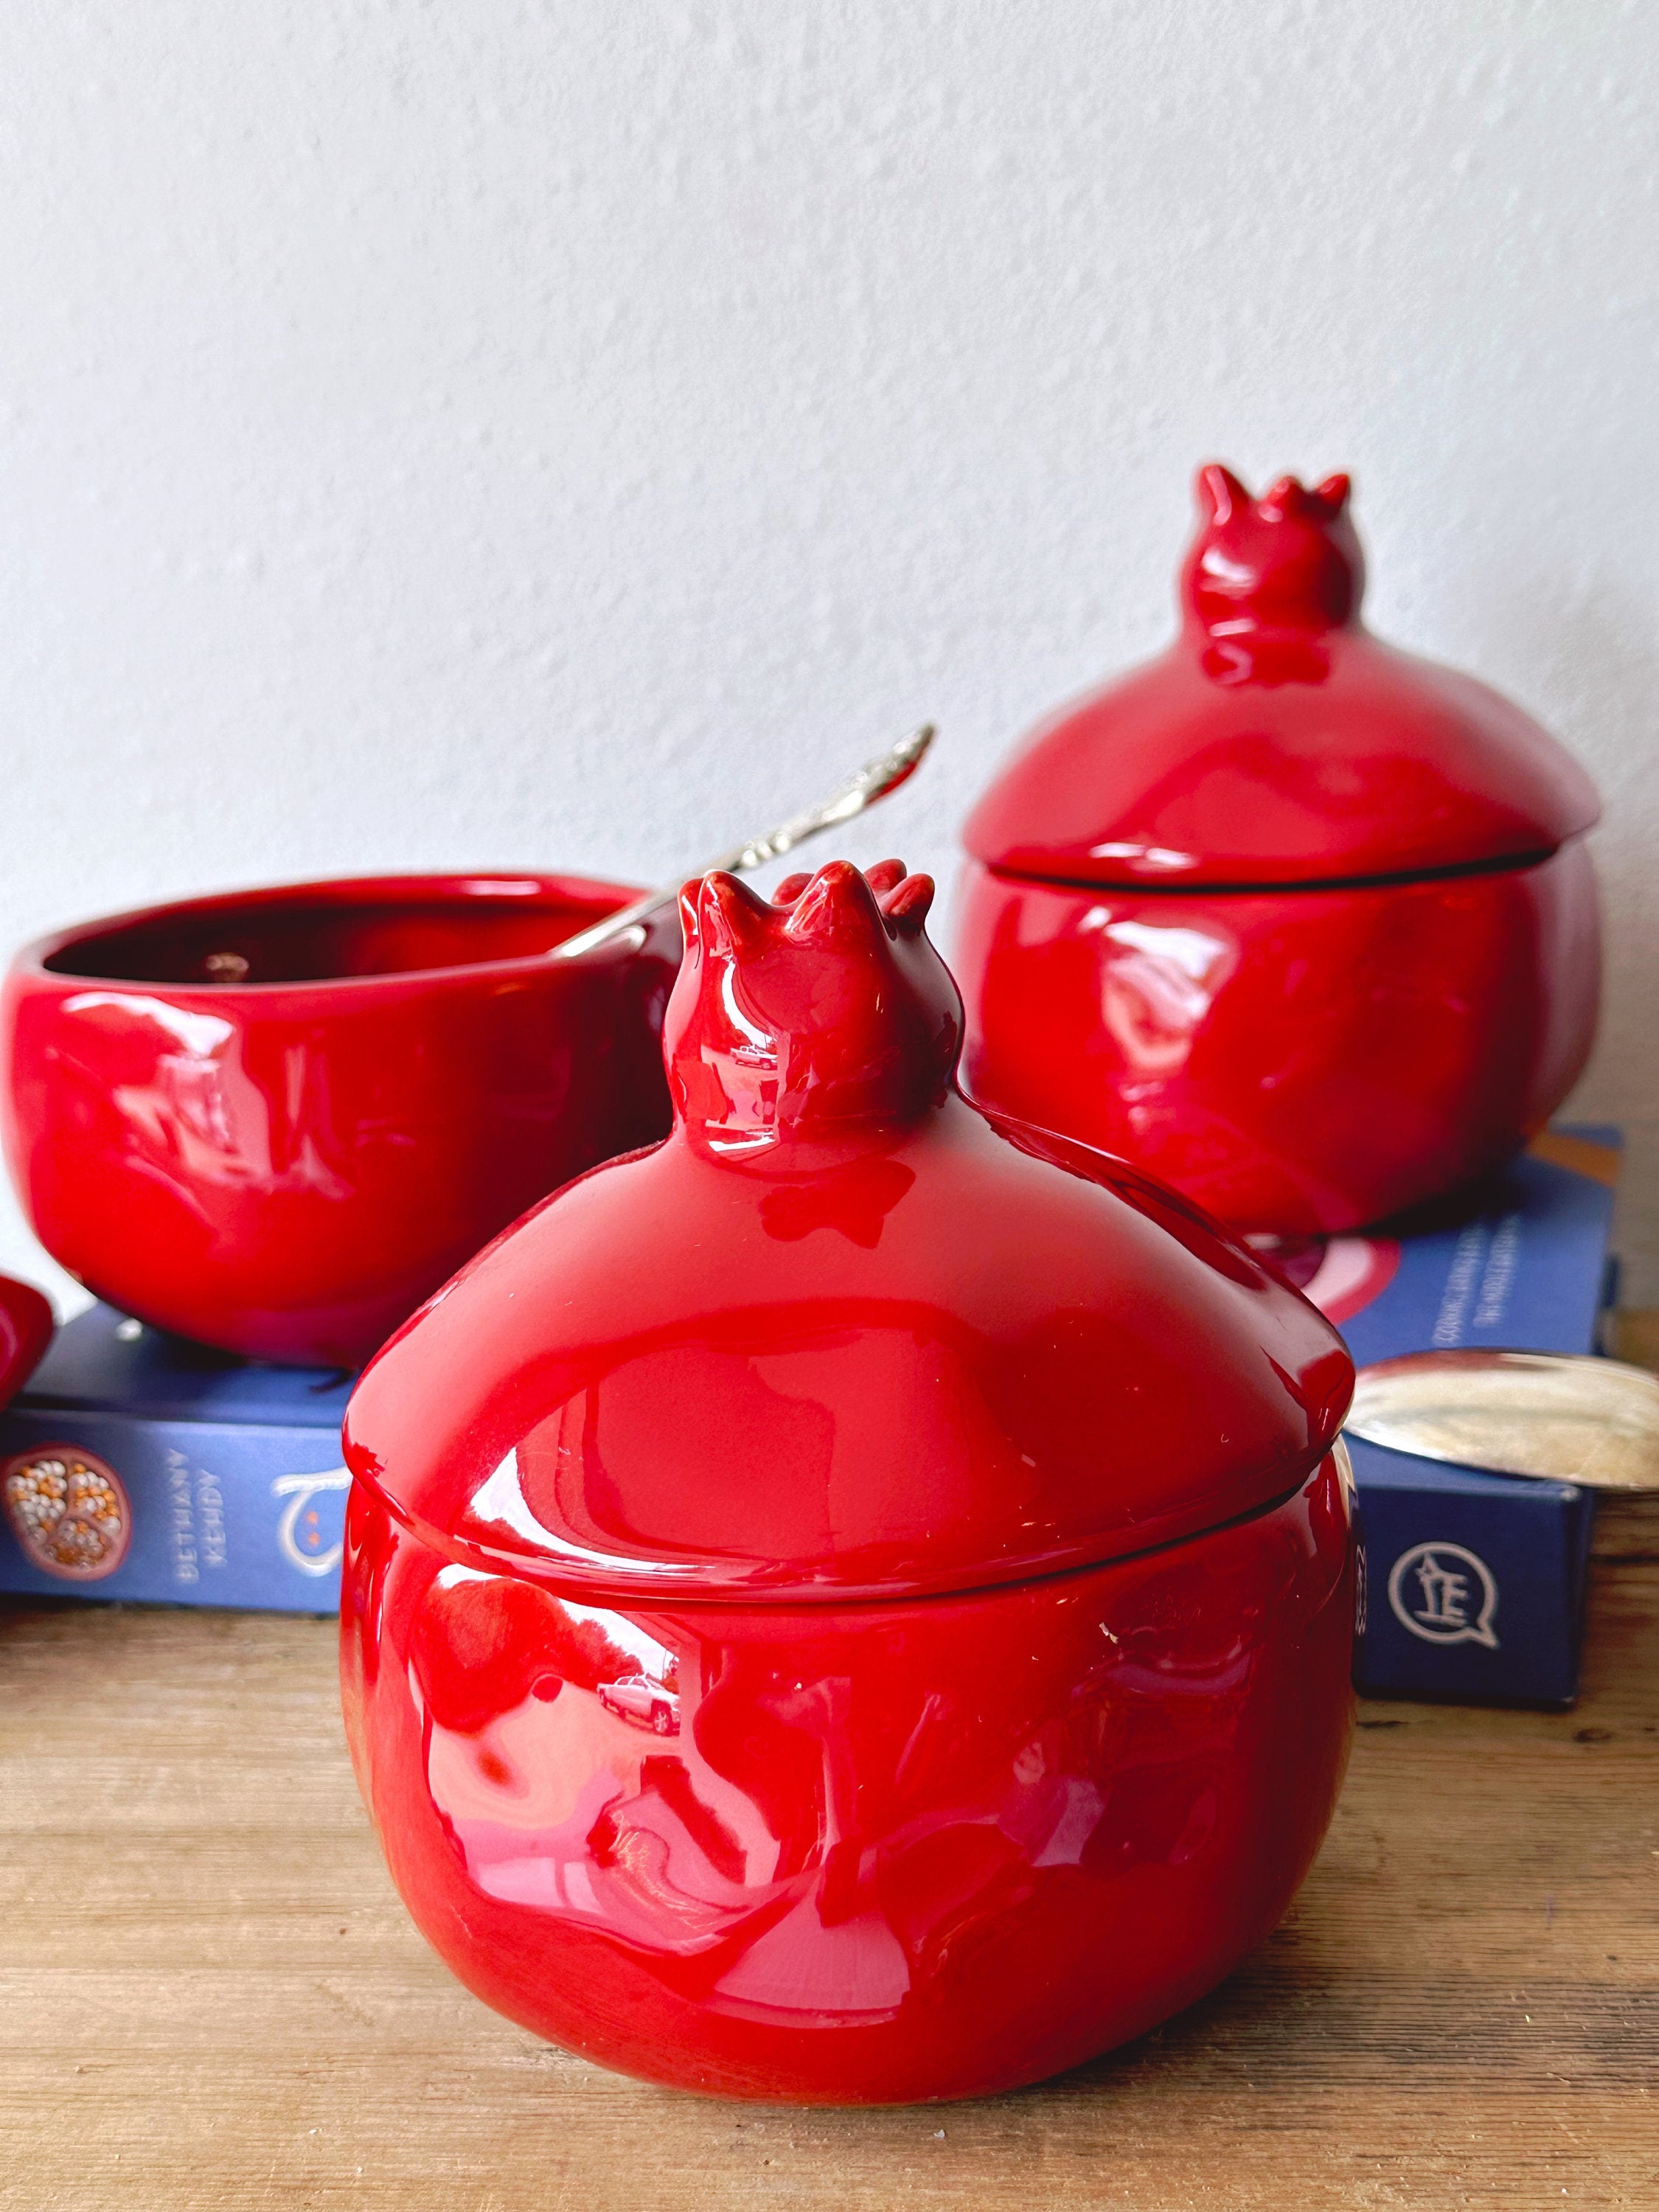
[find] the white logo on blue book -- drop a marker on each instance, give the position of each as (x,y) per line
(1445,1593)
(300,1532)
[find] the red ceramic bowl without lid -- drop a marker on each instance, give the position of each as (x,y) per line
(276,1121)
(854,1604)
(1304,924)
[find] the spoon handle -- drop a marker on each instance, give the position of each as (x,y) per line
(873,781)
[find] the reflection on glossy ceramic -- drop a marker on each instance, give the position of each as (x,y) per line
(274,1121)
(854,1603)
(1304,924)
(1301,1062)
(890,1852)
(26,1327)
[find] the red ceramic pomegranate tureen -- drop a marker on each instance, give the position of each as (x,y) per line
(854,1604)
(1303,924)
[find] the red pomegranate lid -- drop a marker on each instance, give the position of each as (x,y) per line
(1277,741)
(842,1336)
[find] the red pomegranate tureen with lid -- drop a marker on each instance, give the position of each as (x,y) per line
(1303,924)
(854,1604)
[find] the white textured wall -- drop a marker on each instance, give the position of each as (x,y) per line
(569,434)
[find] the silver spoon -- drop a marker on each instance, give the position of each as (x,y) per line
(873,781)
(1561,1416)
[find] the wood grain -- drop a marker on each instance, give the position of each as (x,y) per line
(211,1998)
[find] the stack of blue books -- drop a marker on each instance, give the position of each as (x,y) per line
(136,1466)
(1474,1583)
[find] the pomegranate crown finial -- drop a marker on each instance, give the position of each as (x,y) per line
(827,1008)
(1288,561)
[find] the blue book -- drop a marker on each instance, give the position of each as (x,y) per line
(135,1465)
(1476,1583)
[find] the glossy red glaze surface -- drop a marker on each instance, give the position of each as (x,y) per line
(889,1852)
(1304,925)
(276,1121)
(1299,1062)
(1276,740)
(947,1513)
(26,1327)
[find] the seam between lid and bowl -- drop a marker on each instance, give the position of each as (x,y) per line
(1174,886)
(569,1581)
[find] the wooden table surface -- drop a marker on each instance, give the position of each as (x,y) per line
(212,1999)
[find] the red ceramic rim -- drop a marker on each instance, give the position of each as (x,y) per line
(591,898)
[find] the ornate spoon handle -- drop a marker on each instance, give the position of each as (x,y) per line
(873,781)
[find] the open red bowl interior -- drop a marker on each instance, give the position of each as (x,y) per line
(324,933)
